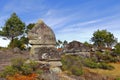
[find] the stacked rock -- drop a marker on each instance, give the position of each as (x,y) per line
(43,41)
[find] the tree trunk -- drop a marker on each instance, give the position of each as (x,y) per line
(12,44)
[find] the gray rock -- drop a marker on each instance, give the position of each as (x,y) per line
(55,70)
(16,50)
(41,34)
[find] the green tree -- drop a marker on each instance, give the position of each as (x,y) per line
(24,40)
(29,27)
(103,38)
(65,43)
(59,43)
(15,43)
(117,48)
(87,44)
(14,27)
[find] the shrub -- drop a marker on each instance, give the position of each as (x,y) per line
(76,70)
(20,67)
(105,57)
(72,64)
(90,63)
(9,71)
(117,48)
(26,69)
(105,66)
(18,63)
(34,65)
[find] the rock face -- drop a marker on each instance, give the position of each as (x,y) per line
(41,34)
(43,42)
(76,46)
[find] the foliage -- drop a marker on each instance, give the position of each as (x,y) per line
(72,64)
(24,40)
(17,62)
(16,43)
(29,27)
(9,71)
(103,38)
(105,57)
(20,43)
(20,67)
(59,43)
(101,65)
(117,48)
(105,66)
(87,44)
(13,27)
(65,43)
(76,70)
(90,63)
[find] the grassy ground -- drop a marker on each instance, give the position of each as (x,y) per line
(112,73)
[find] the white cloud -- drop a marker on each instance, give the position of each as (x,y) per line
(4,43)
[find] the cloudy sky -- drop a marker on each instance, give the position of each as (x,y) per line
(69,19)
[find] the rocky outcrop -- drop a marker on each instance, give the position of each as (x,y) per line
(43,42)
(41,34)
(43,49)
(76,46)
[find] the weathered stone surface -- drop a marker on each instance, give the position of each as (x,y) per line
(55,70)
(51,63)
(44,53)
(43,42)
(76,46)
(41,34)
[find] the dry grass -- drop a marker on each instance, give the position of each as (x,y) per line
(112,73)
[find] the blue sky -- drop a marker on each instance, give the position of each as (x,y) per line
(69,19)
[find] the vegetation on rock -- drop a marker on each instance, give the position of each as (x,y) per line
(20,68)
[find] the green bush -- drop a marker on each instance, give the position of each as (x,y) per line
(72,64)
(105,66)
(9,70)
(34,65)
(117,48)
(20,43)
(19,66)
(90,63)
(76,70)
(18,62)
(105,57)
(26,69)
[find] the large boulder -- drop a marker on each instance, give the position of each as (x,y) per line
(41,34)
(43,42)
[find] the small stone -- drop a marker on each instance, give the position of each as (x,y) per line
(55,70)
(16,50)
